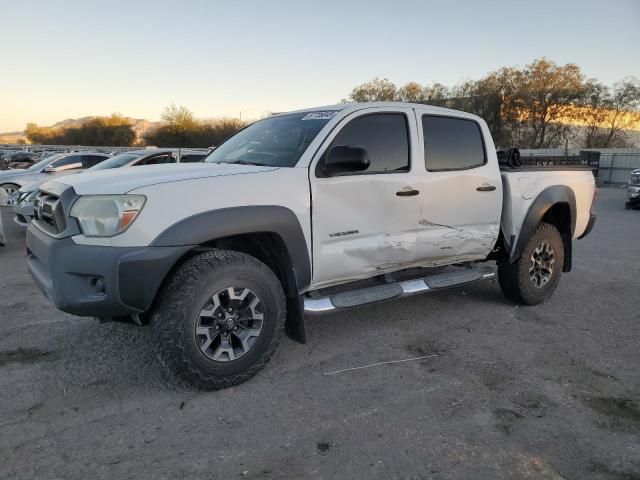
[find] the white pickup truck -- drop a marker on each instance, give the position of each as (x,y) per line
(305,212)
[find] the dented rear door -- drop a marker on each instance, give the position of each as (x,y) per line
(461,189)
(366,223)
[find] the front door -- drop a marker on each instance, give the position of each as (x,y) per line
(366,222)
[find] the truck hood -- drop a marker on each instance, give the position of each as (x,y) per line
(123,180)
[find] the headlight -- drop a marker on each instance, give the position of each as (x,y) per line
(106,215)
(27,197)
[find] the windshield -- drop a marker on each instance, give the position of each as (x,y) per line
(43,163)
(115,162)
(275,142)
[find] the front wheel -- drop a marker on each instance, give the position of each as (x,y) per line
(534,275)
(219,319)
(7,190)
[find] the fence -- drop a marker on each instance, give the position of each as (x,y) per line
(615,163)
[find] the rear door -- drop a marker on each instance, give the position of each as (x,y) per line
(365,222)
(461,191)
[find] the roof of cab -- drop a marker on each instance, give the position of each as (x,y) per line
(354,106)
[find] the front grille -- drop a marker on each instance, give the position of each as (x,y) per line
(634,179)
(49,213)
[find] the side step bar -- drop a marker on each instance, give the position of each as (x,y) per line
(389,291)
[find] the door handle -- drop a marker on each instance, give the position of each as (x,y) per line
(407,193)
(486,188)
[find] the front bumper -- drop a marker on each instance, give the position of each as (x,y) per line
(98,281)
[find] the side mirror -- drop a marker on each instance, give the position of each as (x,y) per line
(49,169)
(344,159)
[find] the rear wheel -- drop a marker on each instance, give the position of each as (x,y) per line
(534,276)
(219,319)
(6,191)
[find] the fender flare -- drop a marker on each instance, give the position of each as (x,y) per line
(214,224)
(546,199)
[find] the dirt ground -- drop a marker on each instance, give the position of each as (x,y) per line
(549,392)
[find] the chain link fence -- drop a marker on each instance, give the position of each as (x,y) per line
(615,163)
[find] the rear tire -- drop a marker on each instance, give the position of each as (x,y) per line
(201,338)
(534,275)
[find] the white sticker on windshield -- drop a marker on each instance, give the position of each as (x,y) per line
(319,115)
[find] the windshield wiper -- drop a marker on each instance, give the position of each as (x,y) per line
(243,162)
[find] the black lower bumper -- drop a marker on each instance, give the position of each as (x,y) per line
(592,221)
(98,281)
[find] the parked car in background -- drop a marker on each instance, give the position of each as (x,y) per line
(18,159)
(23,201)
(54,165)
(155,156)
(633,190)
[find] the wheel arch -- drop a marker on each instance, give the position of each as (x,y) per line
(272,234)
(555,205)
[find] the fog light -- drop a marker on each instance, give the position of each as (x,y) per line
(98,285)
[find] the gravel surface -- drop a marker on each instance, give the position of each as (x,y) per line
(545,392)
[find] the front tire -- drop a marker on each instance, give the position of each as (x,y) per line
(218,319)
(8,189)
(534,275)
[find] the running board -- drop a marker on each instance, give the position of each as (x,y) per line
(389,291)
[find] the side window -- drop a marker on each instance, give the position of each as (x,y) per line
(192,158)
(66,163)
(157,160)
(452,143)
(89,161)
(385,137)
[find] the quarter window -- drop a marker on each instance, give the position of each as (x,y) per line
(384,136)
(157,160)
(452,143)
(89,161)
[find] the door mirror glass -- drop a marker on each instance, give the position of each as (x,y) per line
(343,159)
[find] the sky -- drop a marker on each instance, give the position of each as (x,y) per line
(68,59)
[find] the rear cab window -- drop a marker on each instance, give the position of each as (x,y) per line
(452,143)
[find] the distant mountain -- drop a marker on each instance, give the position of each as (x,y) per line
(140,127)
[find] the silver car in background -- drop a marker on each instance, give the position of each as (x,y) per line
(54,165)
(23,200)
(633,190)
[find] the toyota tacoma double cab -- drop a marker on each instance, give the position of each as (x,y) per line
(307,212)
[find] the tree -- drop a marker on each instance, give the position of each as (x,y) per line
(435,93)
(97,131)
(181,129)
(607,112)
(411,92)
(377,90)
(545,96)
(491,98)
(178,117)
